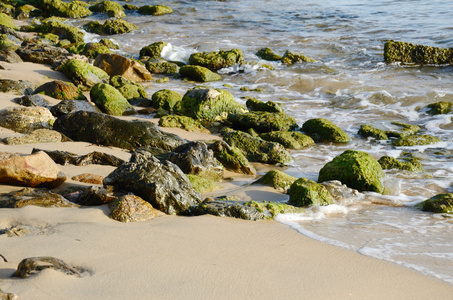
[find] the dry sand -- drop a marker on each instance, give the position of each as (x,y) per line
(180,257)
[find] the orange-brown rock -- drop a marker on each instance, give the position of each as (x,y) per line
(89,178)
(114,64)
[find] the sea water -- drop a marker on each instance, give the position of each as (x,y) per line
(349,84)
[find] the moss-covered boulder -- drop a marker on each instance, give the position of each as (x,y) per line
(109,27)
(155,10)
(257,105)
(7,21)
(438,108)
(202,185)
(277,179)
(161,66)
(441,203)
(256,149)
(262,121)
(367,130)
(74,9)
(153,50)
(112,9)
(291,58)
(305,192)
(356,169)
(166,99)
(416,54)
(232,158)
(90,50)
(268,54)
(198,73)
(322,130)
(409,164)
(130,89)
(110,100)
(208,104)
(183,122)
(217,60)
(60,90)
(83,74)
(63,31)
(289,139)
(416,140)
(271,209)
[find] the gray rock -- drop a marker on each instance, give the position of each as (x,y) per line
(234,209)
(33,100)
(68,106)
(43,53)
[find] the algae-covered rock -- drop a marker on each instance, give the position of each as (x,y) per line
(290,58)
(112,9)
(131,208)
(262,121)
(37,136)
(226,208)
(256,149)
(109,27)
(155,10)
(402,130)
(277,179)
(416,140)
(367,130)
(74,9)
(322,130)
(199,73)
(385,129)
(441,203)
(83,74)
(63,31)
(304,192)
(232,158)
(166,99)
(416,54)
(60,90)
(356,169)
(217,60)
(183,122)
(202,185)
(7,9)
(161,66)
(289,139)
(268,54)
(153,50)
(110,100)
(14,86)
(441,107)
(90,50)
(208,104)
(26,11)
(128,88)
(408,164)
(7,21)
(272,209)
(257,105)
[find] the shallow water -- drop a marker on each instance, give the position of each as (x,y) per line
(348,84)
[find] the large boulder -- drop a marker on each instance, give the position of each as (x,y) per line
(115,64)
(74,9)
(322,130)
(155,10)
(153,51)
(62,30)
(30,170)
(208,104)
(131,208)
(256,149)
(67,106)
(37,136)
(110,100)
(416,54)
(109,27)
(83,74)
(263,121)
(217,60)
(166,99)
(26,119)
(198,73)
(7,21)
(304,192)
(441,203)
(163,185)
(356,169)
(289,139)
(110,131)
(232,158)
(33,196)
(60,90)
(112,9)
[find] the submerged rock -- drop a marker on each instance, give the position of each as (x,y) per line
(304,192)
(232,158)
(131,208)
(84,75)
(26,119)
(386,129)
(441,203)
(322,130)
(416,140)
(155,10)
(277,179)
(290,58)
(33,196)
(441,107)
(289,139)
(88,178)
(217,60)
(408,164)
(262,121)
(33,265)
(114,64)
(367,130)
(161,66)
(90,50)
(268,54)
(198,73)
(416,54)
(37,136)
(60,90)
(110,100)
(356,169)
(153,51)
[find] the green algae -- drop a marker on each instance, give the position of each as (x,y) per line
(305,192)
(112,9)
(165,99)
(202,185)
(290,58)
(322,130)
(199,73)
(155,10)
(409,164)
(272,209)
(153,50)
(110,100)
(277,179)
(183,122)
(268,54)
(289,139)
(416,54)
(110,27)
(441,107)
(441,203)
(416,140)
(217,60)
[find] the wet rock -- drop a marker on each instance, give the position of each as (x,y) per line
(153,51)
(277,179)
(14,86)
(33,196)
(232,158)
(268,54)
(110,27)
(112,9)
(114,64)
(217,60)
(289,139)
(385,129)
(33,100)
(183,122)
(84,75)
(26,119)
(62,30)
(198,73)
(68,106)
(30,170)
(7,21)
(416,54)
(88,178)
(130,7)
(195,158)
(109,131)
(92,158)
(367,130)
(131,208)
(91,50)
(163,185)
(96,195)
(441,203)
(291,58)
(208,104)
(356,169)
(322,130)
(155,10)
(33,265)
(269,106)
(162,66)
(304,192)
(166,99)
(8,296)
(416,140)
(262,121)
(408,164)
(340,192)
(60,90)
(130,90)
(37,136)
(256,149)
(441,107)
(74,9)
(234,209)
(202,185)
(110,100)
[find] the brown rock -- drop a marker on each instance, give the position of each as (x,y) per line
(98,195)
(89,178)
(31,196)
(131,208)
(30,266)
(26,119)
(114,64)
(60,90)
(30,170)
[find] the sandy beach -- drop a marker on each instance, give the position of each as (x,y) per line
(173,257)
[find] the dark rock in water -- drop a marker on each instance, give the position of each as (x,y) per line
(257,105)
(31,266)
(441,203)
(131,208)
(26,119)
(290,58)
(33,100)
(14,86)
(416,54)
(289,139)
(153,51)
(111,26)
(43,53)
(161,66)
(195,158)
(92,158)
(60,90)
(322,130)
(268,54)
(234,209)
(114,64)
(356,169)
(163,185)
(232,158)
(441,107)
(110,131)
(33,196)
(408,164)
(68,106)
(304,192)
(262,121)
(37,136)
(217,60)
